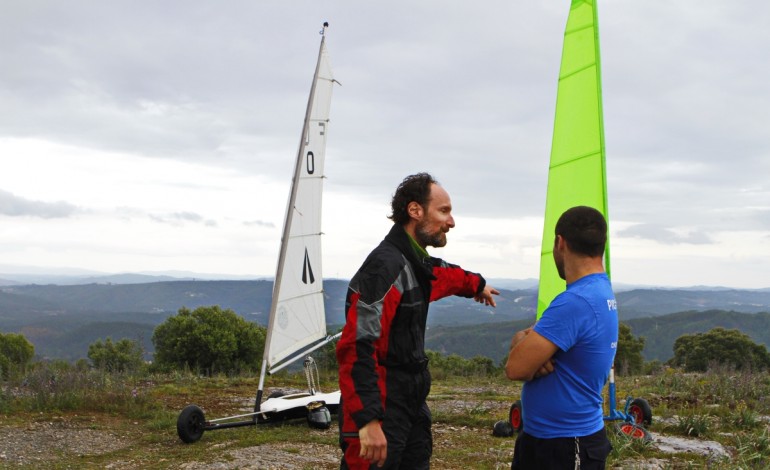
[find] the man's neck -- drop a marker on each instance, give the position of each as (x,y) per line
(420,250)
(581,267)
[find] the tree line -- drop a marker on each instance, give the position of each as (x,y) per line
(212,340)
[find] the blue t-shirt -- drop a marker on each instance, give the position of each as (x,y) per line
(583,323)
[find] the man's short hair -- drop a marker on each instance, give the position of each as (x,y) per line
(414,188)
(585,230)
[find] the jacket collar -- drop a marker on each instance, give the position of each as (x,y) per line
(398,237)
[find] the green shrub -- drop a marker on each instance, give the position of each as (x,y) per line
(442,366)
(628,357)
(123,356)
(719,347)
(209,340)
(15,354)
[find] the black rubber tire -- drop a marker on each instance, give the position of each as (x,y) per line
(190,424)
(641,411)
(515,417)
(633,431)
(502,429)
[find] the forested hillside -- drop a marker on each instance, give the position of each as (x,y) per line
(62,320)
(661,332)
(492,340)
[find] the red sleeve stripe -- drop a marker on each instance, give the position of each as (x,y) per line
(453,280)
(346,357)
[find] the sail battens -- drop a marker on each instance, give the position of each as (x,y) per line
(305,235)
(308,294)
(575,159)
(576,173)
(297,317)
(577,71)
(578,29)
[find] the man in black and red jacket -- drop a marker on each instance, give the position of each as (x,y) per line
(383,369)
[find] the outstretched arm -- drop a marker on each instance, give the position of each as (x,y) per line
(485,296)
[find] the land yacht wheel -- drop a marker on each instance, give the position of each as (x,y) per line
(641,411)
(190,424)
(514,416)
(633,431)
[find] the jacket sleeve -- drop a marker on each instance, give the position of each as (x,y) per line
(451,279)
(371,303)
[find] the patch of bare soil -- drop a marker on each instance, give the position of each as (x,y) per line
(37,443)
(285,456)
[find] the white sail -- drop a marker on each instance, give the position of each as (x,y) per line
(297,318)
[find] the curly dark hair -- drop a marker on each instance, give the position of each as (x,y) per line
(414,188)
(585,230)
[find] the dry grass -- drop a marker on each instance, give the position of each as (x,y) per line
(129,422)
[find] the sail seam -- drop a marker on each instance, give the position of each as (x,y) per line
(571,31)
(582,69)
(579,157)
(308,294)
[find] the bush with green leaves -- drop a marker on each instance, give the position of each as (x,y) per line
(628,357)
(16,353)
(719,347)
(122,356)
(209,340)
(455,365)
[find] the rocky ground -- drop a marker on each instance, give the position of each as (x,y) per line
(106,441)
(42,443)
(39,443)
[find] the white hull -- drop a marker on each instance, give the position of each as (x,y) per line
(297,401)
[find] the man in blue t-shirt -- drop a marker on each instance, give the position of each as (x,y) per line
(565,358)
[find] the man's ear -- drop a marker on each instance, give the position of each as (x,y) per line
(559,242)
(414,210)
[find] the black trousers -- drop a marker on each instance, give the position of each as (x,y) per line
(532,453)
(407,426)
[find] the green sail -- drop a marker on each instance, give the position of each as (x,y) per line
(576,174)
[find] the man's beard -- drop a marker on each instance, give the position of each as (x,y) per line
(425,238)
(559,266)
(560,270)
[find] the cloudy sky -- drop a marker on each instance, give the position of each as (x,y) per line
(160,136)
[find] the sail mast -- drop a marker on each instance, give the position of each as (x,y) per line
(577,173)
(290,208)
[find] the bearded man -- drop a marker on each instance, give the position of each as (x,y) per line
(383,369)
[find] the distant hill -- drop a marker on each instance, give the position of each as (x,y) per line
(493,339)
(489,339)
(61,320)
(652,302)
(660,332)
(244,297)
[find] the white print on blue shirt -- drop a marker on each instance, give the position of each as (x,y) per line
(612,304)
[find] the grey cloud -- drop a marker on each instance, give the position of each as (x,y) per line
(17,206)
(205,84)
(259,223)
(665,235)
(179,218)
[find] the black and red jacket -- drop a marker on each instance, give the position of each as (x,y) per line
(386,311)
